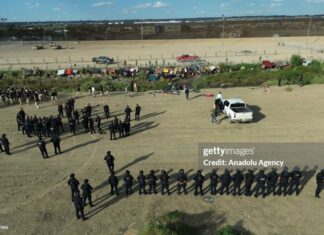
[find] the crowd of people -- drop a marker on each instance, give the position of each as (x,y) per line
(12,95)
(284,183)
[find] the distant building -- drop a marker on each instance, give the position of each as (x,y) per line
(148,29)
(172,28)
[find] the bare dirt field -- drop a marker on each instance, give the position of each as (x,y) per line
(35,197)
(235,50)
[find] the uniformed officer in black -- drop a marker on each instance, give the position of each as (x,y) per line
(121,129)
(110,160)
(127,127)
(128,111)
(98,122)
(295,181)
(76,115)
(91,123)
(284,181)
(112,131)
(60,110)
(182,181)
(72,124)
(237,181)
(226,181)
(249,178)
(5,142)
(152,182)
(113,182)
(74,185)
(106,110)
(78,203)
(42,147)
(261,181)
(319,182)
(141,182)
(199,180)
(164,179)
(272,179)
(137,112)
(56,143)
(128,179)
(86,192)
(213,182)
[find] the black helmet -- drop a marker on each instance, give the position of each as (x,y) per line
(86,181)
(72,175)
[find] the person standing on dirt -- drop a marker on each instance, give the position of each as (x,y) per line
(141,182)
(5,142)
(226,181)
(261,181)
(164,178)
(112,131)
(152,182)
(186,90)
(199,180)
(106,111)
(110,160)
(78,204)
(42,147)
(295,181)
(237,181)
(137,112)
(56,143)
(214,115)
(60,110)
(320,183)
(272,179)
(98,122)
(128,179)
(182,181)
(91,123)
(249,178)
(86,192)
(283,181)
(213,182)
(128,111)
(74,185)
(113,182)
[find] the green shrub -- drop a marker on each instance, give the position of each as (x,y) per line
(296,60)
(169,224)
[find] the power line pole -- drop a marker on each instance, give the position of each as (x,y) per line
(223,31)
(309,28)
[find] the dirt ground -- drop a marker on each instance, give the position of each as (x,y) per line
(234,50)
(35,197)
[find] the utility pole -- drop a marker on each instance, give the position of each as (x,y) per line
(142,37)
(309,28)
(65,34)
(223,31)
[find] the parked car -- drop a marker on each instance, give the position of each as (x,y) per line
(103,60)
(266,64)
(237,111)
(306,62)
(187,58)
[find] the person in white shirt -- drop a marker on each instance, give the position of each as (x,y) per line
(219,96)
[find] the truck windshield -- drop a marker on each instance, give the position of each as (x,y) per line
(238,105)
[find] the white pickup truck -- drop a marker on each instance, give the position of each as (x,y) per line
(236,111)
